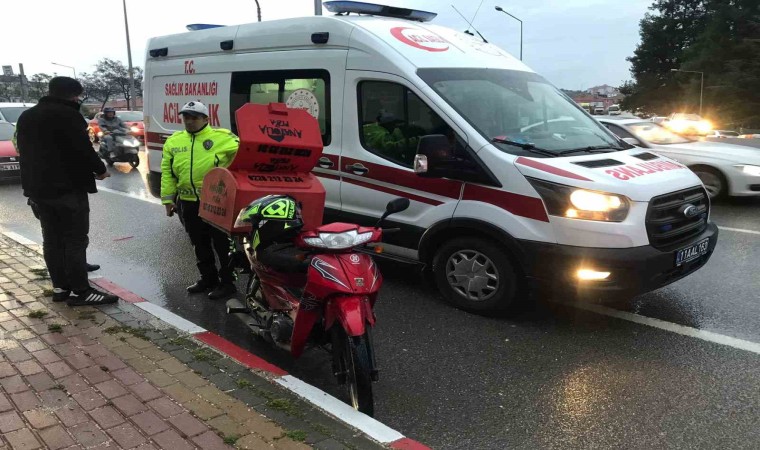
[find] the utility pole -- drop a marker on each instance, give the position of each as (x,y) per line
(132,98)
(500,9)
(24,87)
(258,10)
(317,7)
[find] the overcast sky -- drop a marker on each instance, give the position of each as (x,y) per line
(573,43)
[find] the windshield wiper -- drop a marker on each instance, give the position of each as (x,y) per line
(525,146)
(589,149)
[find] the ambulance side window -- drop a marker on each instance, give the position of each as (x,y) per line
(392,119)
(306,89)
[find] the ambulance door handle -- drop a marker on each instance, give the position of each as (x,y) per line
(325,163)
(357,169)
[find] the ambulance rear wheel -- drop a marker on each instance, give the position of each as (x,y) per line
(475,275)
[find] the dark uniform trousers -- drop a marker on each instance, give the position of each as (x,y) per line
(206,240)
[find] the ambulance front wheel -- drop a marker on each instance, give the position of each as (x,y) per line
(475,275)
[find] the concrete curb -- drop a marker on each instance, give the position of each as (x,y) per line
(320,399)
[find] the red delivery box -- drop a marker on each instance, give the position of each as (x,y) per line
(279,146)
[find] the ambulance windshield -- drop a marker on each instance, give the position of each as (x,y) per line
(520,112)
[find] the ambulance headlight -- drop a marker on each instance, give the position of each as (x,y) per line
(584,204)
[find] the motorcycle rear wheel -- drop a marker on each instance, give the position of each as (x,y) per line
(352,360)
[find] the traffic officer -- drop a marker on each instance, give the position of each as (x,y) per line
(188,156)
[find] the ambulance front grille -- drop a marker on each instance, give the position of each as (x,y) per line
(667,221)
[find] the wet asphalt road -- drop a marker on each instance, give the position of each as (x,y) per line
(553,377)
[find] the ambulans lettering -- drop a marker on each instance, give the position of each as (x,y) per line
(278,130)
(275,150)
(171,113)
(421,39)
(626,173)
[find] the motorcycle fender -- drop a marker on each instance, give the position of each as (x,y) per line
(304,323)
(353,312)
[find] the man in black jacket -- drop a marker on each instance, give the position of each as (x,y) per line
(58,170)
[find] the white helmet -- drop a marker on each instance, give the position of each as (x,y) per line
(195,107)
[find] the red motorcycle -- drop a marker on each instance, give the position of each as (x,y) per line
(313,288)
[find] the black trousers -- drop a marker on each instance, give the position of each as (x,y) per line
(65,222)
(206,240)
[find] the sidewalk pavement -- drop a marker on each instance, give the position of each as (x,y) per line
(116,377)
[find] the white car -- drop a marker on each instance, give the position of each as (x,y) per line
(723,134)
(725,169)
(9,112)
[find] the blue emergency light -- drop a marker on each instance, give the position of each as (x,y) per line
(202,26)
(347,7)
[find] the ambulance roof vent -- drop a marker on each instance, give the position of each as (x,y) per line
(346,7)
(202,26)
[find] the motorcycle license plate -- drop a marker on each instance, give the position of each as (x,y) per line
(692,252)
(10,167)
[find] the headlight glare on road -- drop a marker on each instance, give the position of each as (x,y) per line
(753,171)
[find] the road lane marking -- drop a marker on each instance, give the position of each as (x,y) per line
(130,195)
(703,335)
(740,230)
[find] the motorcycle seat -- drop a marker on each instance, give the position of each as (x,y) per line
(285,258)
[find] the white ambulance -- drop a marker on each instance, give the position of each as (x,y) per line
(513,186)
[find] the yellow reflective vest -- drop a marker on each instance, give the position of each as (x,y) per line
(188,157)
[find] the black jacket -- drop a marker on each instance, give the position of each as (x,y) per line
(55,152)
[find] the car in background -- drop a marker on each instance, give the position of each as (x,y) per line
(725,169)
(723,134)
(133,120)
(9,112)
(10,167)
(598,111)
(614,110)
(688,124)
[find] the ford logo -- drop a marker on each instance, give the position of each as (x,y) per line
(689,211)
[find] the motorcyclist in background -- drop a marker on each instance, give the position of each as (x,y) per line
(109,123)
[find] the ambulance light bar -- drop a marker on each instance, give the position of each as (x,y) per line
(346,7)
(202,26)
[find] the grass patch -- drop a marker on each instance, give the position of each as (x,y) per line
(42,274)
(136,332)
(242,384)
(38,314)
(202,354)
(284,405)
(296,435)
(319,428)
(11,293)
(181,341)
(47,292)
(55,328)
(86,315)
(230,440)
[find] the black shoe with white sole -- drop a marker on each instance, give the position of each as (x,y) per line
(91,297)
(61,295)
(93,267)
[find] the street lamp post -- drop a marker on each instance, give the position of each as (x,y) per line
(64,65)
(701,84)
(132,98)
(499,8)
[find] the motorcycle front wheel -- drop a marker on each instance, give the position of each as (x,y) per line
(353,365)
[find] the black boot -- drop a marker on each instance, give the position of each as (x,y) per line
(224,290)
(92,267)
(202,285)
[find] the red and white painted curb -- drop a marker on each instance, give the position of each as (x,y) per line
(340,410)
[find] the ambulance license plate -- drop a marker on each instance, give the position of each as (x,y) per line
(9,167)
(692,252)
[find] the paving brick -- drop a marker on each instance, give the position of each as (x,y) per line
(89,399)
(188,424)
(59,369)
(139,343)
(107,417)
(23,440)
(183,355)
(248,397)
(10,421)
(289,444)
(170,439)
(88,434)
(82,341)
(23,334)
(127,376)
(65,349)
(172,365)
(190,379)
(30,367)
(74,383)
(17,355)
(252,442)
(95,374)
(142,364)
(165,407)
(6,369)
(223,382)
(46,356)
(210,441)
(126,352)
(40,418)
(14,384)
(72,415)
(56,438)
(129,405)
(126,436)
(203,409)
(54,338)
(111,389)
(212,395)
(149,423)
(110,361)
(55,398)
(12,325)
(180,393)
(79,360)
(263,427)
(25,401)
(145,391)
(329,444)
(40,382)
(228,427)
(5,403)
(160,378)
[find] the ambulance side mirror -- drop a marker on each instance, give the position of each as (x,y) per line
(432,152)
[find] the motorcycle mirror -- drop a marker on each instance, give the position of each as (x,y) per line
(394,206)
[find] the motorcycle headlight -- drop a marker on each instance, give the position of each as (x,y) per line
(134,129)
(337,241)
(749,170)
(584,204)
(100,134)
